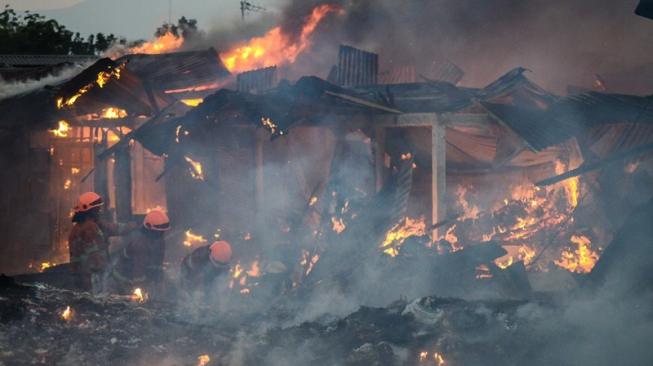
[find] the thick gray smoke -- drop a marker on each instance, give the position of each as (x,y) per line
(562,42)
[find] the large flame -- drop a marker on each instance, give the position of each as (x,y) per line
(275,47)
(396,236)
(163,44)
(103,77)
(580,260)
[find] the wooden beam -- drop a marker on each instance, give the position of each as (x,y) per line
(425,120)
(379,157)
(438,171)
(122,178)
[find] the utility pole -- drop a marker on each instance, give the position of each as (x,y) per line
(247,6)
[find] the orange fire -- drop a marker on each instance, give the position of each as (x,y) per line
(67,314)
(113,113)
(139,296)
(194,102)
(103,77)
(240,277)
(192,238)
(196,168)
(163,44)
(437,358)
(62,129)
(275,47)
(400,232)
(580,260)
(338,224)
(67,184)
(271,126)
(203,360)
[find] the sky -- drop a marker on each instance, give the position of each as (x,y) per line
(135,19)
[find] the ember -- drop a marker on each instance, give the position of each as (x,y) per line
(192,238)
(139,295)
(195,168)
(62,129)
(67,314)
(203,360)
(275,47)
(271,126)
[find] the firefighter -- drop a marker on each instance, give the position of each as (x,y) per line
(88,243)
(140,262)
(204,265)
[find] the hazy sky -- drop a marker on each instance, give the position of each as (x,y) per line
(135,19)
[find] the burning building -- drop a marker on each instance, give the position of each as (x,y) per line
(366,184)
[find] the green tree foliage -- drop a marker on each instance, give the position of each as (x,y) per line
(186,28)
(31,33)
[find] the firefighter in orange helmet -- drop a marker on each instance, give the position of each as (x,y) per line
(140,263)
(88,243)
(204,265)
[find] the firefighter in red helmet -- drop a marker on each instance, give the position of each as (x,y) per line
(140,263)
(204,265)
(88,243)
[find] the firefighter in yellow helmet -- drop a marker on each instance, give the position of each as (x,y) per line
(88,243)
(140,263)
(204,265)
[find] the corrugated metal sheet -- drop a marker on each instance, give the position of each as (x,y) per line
(356,67)
(257,80)
(177,70)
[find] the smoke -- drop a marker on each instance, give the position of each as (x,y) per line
(562,42)
(13,88)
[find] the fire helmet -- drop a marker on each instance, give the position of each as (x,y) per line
(156,220)
(220,252)
(88,201)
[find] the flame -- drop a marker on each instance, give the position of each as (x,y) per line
(179,132)
(523,253)
(241,275)
(67,314)
(62,129)
(338,224)
(403,230)
(312,201)
(192,238)
(194,102)
(138,295)
(67,184)
(580,260)
(196,169)
(271,126)
(437,358)
(203,360)
(113,113)
(163,44)
(45,265)
(102,79)
(275,47)
(469,211)
(198,88)
(74,171)
(483,272)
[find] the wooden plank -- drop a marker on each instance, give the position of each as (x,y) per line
(379,157)
(438,172)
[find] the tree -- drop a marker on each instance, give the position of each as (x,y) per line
(186,28)
(31,33)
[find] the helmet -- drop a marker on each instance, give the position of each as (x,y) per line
(88,201)
(156,220)
(220,252)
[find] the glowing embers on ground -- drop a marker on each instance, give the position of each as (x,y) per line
(67,314)
(398,234)
(243,277)
(163,44)
(103,77)
(429,358)
(275,47)
(203,360)
(195,168)
(191,238)
(139,295)
(580,259)
(62,130)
